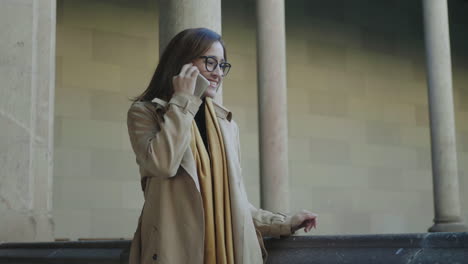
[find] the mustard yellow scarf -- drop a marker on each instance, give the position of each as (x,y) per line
(214,185)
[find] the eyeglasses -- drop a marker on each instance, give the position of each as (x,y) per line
(211,63)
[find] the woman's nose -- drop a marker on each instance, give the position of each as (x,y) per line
(218,72)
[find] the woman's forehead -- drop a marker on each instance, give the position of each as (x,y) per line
(216,50)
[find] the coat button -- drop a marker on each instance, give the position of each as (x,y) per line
(155,257)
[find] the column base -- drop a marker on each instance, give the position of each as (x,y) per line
(449,227)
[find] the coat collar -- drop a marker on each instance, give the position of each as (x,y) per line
(221,111)
(188,162)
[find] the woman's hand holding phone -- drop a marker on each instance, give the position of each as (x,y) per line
(186,80)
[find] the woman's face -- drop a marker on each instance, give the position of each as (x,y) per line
(214,77)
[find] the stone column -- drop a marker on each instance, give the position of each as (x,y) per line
(27,74)
(272,103)
(177,15)
(444,155)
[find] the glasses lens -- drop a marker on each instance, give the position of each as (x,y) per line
(211,64)
(225,67)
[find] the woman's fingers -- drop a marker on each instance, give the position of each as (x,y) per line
(185,81)
(184,69)
(195,72)
(192,72)
(308,226)
(312,223)
(304,219)
(309,222)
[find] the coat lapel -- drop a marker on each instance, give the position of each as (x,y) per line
(238,199)
(188,164)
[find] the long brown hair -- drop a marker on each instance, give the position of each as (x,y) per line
(182,49)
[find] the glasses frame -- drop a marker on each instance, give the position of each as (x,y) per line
(222,65)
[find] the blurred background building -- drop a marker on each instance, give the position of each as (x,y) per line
(358,118)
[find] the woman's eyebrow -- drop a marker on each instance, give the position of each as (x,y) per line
(218,59)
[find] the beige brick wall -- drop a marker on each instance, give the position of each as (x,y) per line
(105,55)
(358,127)
(358,116)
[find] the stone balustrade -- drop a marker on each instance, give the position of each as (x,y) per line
(390,248)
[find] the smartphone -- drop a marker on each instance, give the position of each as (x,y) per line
(201,86)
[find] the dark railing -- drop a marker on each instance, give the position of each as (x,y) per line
(441,248)
(362,249)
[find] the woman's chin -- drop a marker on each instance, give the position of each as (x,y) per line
(210,92)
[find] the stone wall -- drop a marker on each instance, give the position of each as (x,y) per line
(359,131)
(27,73)
(358,126)
(106,53)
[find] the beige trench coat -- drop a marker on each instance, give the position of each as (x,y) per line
(171,225)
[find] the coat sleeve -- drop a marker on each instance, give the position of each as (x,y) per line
(160,138)
(268,223)
(271,224)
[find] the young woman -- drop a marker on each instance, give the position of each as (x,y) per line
(187,147)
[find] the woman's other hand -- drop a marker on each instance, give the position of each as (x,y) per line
(186,80)
(303,219)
